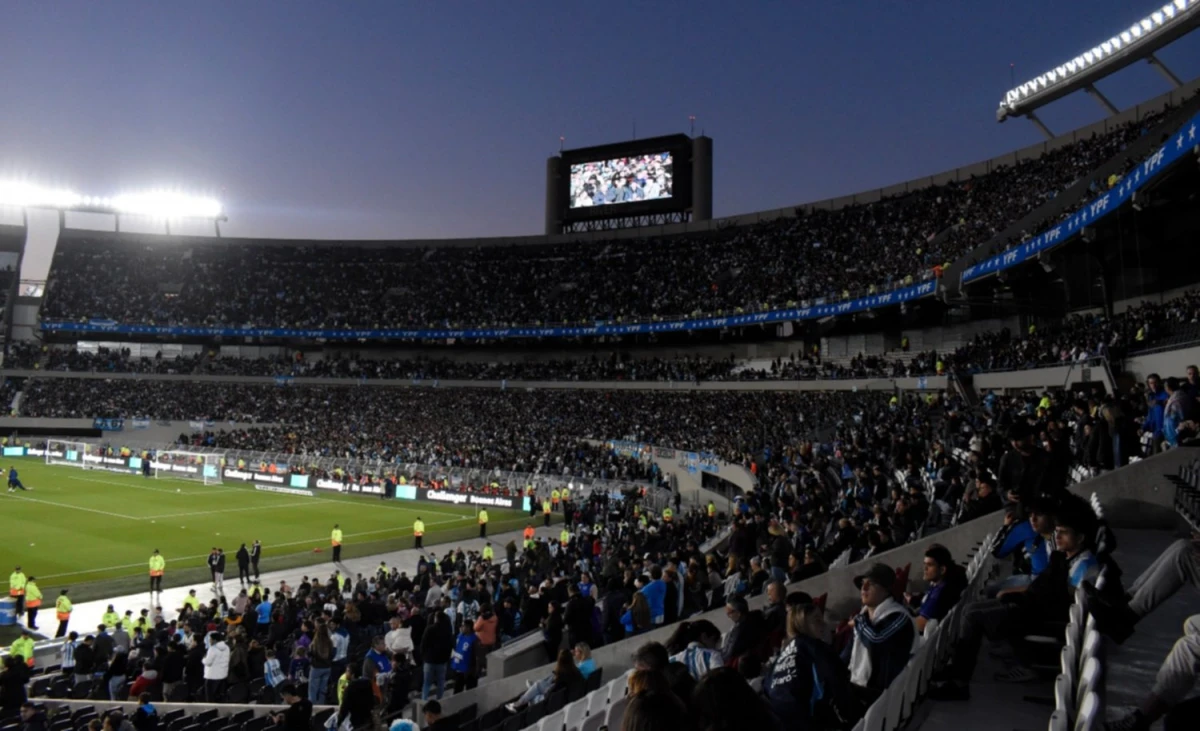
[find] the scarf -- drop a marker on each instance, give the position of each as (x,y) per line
(860,656)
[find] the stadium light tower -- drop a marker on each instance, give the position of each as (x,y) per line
(159,204)
(1139,41)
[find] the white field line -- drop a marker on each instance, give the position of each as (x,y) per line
(233,510)
(273,545)
(202,490)
(73,507)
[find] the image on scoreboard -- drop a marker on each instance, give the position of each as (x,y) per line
(622,180)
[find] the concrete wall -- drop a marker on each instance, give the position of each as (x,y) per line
(1167,363)
(1038,378)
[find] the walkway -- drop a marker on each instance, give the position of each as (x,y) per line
(87,615)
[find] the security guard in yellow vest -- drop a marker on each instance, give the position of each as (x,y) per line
(335,540)
(111,619)
(546,511)
(33,600)
(158,565)
(127,622)
(419,532)
(712,509)
(483,519)
(16,587)
(22,648)
(564,538)
(554,499)
(667,514)
(62,612)
(489,554)
(190,601)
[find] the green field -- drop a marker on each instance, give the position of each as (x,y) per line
(93,531)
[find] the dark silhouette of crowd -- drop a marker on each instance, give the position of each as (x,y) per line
(822,254)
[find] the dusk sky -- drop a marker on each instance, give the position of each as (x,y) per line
(362,119)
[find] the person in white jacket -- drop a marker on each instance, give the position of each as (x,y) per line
(216,667)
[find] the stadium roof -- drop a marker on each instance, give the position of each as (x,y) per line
(1140,40)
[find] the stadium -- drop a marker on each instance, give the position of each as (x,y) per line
(918,457)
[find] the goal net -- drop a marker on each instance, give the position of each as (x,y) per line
(71,454)
(200,466)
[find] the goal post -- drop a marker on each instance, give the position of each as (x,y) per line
(69,453)
(199,466)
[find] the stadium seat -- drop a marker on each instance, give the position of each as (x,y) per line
(895,699)
(553,722)
(617,689)
(575,713)
(592,723)
(616,713)
(1089,714)
(875,718)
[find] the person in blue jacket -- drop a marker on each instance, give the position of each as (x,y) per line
(1034,538)
(462,658)
(656,595)
(14,481)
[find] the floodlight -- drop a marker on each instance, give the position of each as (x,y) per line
(1137,41)
(165,204)
(27,195)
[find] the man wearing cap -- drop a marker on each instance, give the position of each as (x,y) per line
(883,634)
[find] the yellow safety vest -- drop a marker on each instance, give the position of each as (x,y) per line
(546,506)
(158,564)
(488,553)
(111,619)
(16,584)
(564,537)
(712,510)
(667,514)
(191,601)
(33,595)
(419,528)
(336,537)
(483,518)
(62,608)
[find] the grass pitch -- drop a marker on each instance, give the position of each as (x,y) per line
(94,531)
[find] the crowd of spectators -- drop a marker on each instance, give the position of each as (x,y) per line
(1082,337)
(514,429)
(822,254)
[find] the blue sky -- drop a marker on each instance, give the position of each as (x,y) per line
(365,119)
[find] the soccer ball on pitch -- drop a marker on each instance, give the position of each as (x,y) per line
(178,489)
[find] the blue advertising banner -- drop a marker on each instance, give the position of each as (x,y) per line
(882,299)
(108,424)
(1176,146)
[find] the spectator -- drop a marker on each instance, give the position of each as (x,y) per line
(1047,599)
(320,657)
(946,584)
(565,677)
(32,719)
(808,683)
(464,659)
(434,721)
(697,646)
(145,718)
(884,634)
(298,716)
(216,668)
(436,645)
(724,701)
